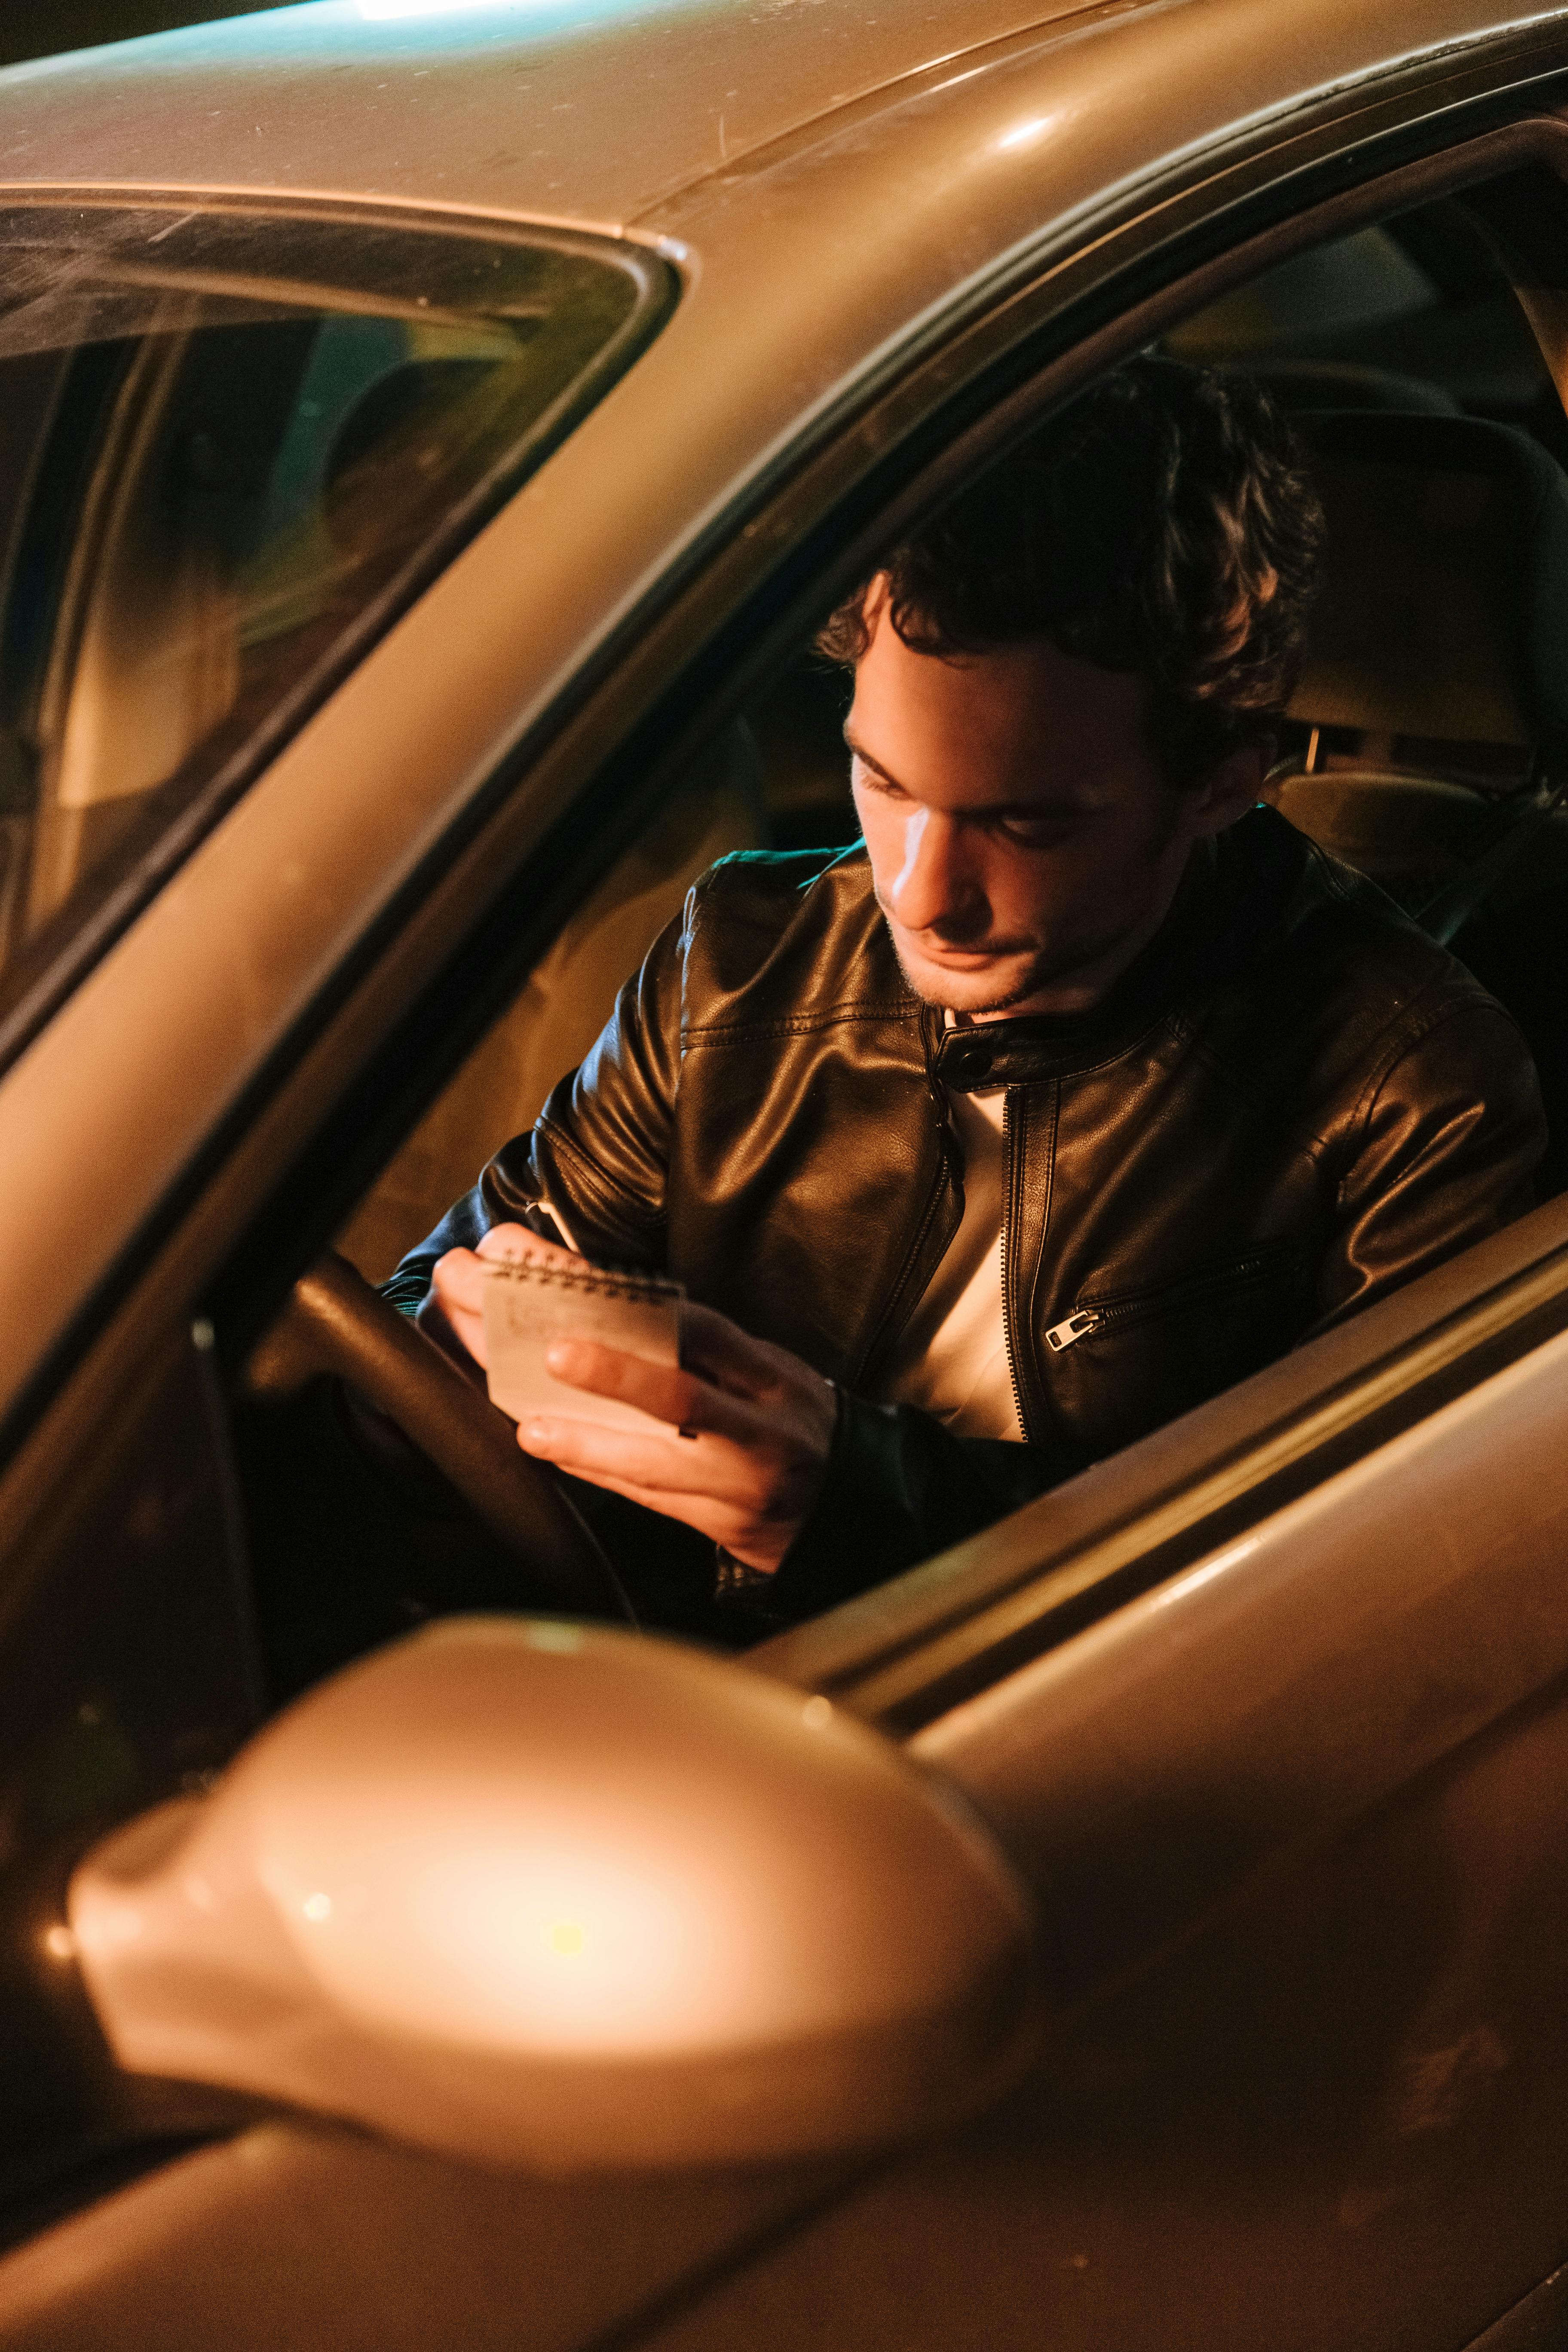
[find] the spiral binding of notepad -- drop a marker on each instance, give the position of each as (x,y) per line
(599,1281)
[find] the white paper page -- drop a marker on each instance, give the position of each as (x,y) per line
(530,1305)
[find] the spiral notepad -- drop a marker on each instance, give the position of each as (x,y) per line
(529,1304)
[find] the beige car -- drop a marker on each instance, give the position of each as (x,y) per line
(430,432)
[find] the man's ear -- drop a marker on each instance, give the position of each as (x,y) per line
(1229,790)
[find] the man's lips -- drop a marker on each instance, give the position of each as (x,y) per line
(964,957)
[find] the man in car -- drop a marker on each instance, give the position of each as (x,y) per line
(1080,1089)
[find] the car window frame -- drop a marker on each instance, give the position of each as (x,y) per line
(901,1663)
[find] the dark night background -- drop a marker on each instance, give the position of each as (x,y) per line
(38,32)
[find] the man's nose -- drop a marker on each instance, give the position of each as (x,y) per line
(934,887)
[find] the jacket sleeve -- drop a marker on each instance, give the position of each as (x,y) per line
(899,1488)
(1440,1152)
(592,1172)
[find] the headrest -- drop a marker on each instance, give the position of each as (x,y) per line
(1445,605)
(1298,385)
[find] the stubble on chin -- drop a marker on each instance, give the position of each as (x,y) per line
(977,995)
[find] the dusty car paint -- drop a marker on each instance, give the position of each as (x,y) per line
(587,113)
(597,114)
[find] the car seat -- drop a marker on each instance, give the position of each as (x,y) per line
(1434,697)
(1302,385)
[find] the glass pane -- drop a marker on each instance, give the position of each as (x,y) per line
(231,447)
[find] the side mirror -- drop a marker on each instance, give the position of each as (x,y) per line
(548,1895)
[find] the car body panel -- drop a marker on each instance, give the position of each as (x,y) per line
(1332,2115)
(483,108)
(470,110)
(1283,1684)
(1307,2084)
(425,2253)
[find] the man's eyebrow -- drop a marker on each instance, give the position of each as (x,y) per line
(867,761)
(992,808)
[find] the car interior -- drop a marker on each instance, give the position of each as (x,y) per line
(1419,744)
(1423,359)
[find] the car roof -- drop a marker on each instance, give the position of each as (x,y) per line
(589,113)
(586,111)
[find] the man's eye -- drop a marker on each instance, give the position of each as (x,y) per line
(1036,832)
(866,779)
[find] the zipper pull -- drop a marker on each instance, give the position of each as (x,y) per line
(1076,1327)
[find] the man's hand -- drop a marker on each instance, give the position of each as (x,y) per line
(454,1314)
(757,1423)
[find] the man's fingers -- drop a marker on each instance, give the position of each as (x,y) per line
(457,1300)
(721,1522)
(465,1345)
(457,1278)
(457,1282)
(667,1390)
(676,1469)
(738,1433)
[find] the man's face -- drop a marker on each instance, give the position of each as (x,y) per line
(1024,842)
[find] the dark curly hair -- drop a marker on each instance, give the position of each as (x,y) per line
(1162,523)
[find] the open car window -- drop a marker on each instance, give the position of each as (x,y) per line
(231,448)
(1409,766)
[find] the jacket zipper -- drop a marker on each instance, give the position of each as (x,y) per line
(1009,1228)
(1090,1320)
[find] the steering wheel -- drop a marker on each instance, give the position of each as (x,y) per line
(333,1322)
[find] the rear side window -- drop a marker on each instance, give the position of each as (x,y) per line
(232,447)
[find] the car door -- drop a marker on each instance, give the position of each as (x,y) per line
(1300,2027)
(1296,1833)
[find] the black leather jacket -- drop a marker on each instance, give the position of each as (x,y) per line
(1291,1103)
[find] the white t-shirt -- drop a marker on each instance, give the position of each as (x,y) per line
(951,1356)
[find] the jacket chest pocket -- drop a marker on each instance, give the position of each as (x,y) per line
(1274,1269)
(1126,1361)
